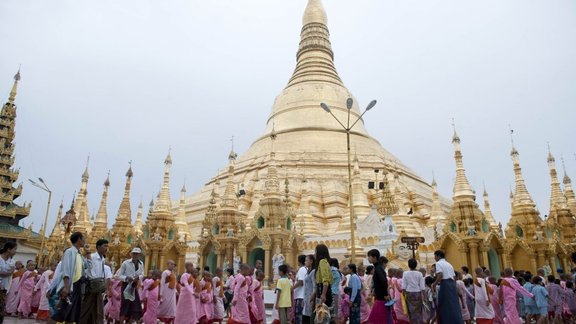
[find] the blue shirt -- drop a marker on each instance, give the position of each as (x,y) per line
(540,294)
(336,283)
(527,300)
(356,285)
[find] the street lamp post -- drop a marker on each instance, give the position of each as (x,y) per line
(347,128)
(42,185)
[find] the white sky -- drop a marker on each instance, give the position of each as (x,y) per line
(124,80)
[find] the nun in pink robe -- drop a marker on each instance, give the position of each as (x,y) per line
(509,286)
(462,293)
(42,287)
(218,289)
(258,298)
(364,307)
(13,297)
(186,309)
(27,285)
(483,310)
(254,290)
(498,316)
(206,298)
(112,308)
(240,311)
(167,306)
(397,289)
(150,290)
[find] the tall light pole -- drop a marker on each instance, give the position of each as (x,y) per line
(347,128)
(42,185)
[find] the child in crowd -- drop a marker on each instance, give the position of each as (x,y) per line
(541,296)
(283,295)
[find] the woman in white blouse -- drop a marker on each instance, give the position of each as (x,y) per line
(413,288)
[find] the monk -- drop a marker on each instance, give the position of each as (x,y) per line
(186,309)
(13,297)
(27,284)
(43,313)
(150,293)
(483,309)
(167,306)
(240,311)
(507,296)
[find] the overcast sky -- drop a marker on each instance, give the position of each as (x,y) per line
(124,80)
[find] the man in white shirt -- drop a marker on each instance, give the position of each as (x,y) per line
(92,303)
(131,272)
(447,295)
(299,290)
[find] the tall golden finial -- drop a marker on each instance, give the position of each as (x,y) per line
(14,87)
(462,189)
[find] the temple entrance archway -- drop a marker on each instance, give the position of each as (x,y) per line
(494,263)
(211,260)
(256,254)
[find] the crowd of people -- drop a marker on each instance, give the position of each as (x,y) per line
(84,288)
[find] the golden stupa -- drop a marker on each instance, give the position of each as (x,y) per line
(309,150)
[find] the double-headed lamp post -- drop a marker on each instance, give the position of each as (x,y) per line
(42,185)
(347,128)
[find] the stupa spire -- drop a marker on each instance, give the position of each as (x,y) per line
(462,189)
(568,192)
(83,221)
(124,211)
(229,199)
(164,202)
(102,215)
(138,224)
(14,90)
(557,198)
(436,212)
(181,218)
(315,59)
(57,231)
(488,211)
(521,195)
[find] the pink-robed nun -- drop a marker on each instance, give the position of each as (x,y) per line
(498,316)
(206,299)
(13,296)
(42,287)
(187,308)
(167,306)
(219,311)
(112,307)
(508,288)
(150,291)
(484,311)
(240,309)
(398,310)
(27,285)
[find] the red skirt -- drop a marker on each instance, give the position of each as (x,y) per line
(379,313)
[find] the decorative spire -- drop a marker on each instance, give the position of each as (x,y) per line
(164,203)
(521,195)
(387,205)
(462,189)
(124,211)
(83,221)
(102,215)
(14,87)
(488,211)
(232,156)
(181,218)
(138,224)
(230,200)
(557,198)
(315,59)
(57,231)
(436,213)
(568,192)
